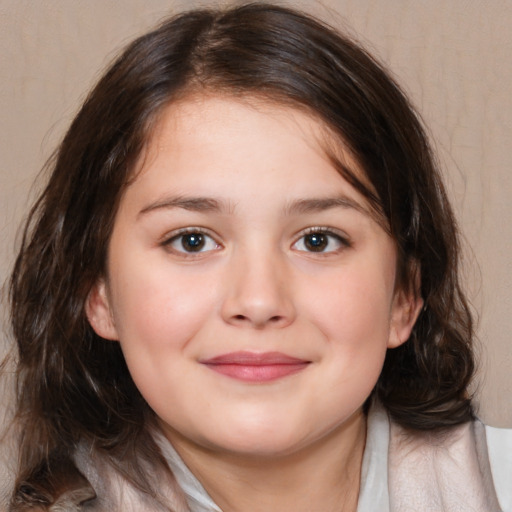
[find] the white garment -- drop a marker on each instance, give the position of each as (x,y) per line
(403,473)
(469,469)
(198,499)
(499,446)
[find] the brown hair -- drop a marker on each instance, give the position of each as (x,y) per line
(74,387)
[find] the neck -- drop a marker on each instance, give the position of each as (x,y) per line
(323,476)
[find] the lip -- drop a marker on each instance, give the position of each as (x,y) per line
(254,366)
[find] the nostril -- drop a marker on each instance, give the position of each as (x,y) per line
(243,318)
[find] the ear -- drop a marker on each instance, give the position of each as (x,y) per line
(405,311)
(99,313)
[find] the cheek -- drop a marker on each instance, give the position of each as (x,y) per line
(158,315)
(353,307)
(353,311)
(357,326)
(158,308)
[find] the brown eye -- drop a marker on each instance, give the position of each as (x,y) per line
(191,242)
(321,241)
(316,242)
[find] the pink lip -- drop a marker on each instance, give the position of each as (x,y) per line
(255,367)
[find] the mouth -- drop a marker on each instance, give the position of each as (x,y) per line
(256,367)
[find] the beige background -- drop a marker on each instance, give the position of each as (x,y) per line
(452,56)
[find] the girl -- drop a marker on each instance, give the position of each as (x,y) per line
(239,290)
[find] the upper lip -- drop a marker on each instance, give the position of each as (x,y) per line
(254,359)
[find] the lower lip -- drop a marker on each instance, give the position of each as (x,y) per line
(257,373)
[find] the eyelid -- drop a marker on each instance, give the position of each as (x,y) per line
(170,237)
(340,235)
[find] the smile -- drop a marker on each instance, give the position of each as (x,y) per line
(256,367)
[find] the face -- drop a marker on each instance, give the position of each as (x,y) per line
(252,292)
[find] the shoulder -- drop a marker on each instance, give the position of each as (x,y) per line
(8,459)
(467,467)
(115,492)
(499,449)
(8,439)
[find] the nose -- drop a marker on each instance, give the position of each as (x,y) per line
(258,292)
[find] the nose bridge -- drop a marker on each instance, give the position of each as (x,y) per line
(258,288)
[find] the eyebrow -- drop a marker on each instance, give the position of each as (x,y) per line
(301,206)
(196,204)
(296,207)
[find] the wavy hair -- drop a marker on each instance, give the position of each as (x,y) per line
(74,387)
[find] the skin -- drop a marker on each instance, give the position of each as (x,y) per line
(253,178)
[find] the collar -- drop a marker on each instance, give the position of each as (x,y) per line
(373,493)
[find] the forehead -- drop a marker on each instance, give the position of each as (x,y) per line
(203,114)
(252,142)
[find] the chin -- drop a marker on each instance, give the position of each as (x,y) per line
(262,448)
(260,440)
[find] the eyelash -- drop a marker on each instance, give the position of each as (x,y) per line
(180,234)
(340,238)
(204,238)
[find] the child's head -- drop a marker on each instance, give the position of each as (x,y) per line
(257,62)
(238,258)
